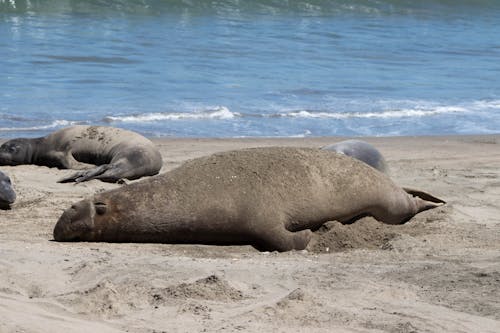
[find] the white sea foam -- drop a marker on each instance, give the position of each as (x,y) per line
(220,112)
(301,135)
(403,113)
(54,124)
(493,104)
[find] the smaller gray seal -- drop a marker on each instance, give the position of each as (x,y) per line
(118,153)
(362,151)
(7,194)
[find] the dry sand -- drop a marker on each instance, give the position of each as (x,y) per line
(440,272)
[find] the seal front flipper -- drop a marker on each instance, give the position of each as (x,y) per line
(85,175)
(68,161)
(280,239)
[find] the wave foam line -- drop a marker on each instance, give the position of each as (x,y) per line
(54,124)
(404,113)
(218,113)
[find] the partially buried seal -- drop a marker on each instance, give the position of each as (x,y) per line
(362,151)
(7,194)
(117,153)
(267,197)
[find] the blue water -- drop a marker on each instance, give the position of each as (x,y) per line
(234,68)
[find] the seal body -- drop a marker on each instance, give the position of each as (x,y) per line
(270,198)
(362,151)
(116,152)
(7,194)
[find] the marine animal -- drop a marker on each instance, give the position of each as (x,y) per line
(270,198)
(362,151)
(118,153)
(7,194)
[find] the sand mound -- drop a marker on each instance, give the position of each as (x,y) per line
(366,233)
(210,288)
(103,299)
(297,295)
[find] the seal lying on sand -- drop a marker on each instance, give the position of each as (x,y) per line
(362,151)
(7,194)
(267,197)
(117,152)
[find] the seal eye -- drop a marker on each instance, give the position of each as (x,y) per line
(100,208)
(12,149)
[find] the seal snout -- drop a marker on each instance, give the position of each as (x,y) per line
(75,223)
(5,159)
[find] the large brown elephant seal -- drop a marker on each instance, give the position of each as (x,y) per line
(362,151)
(7,194)
(118,153)
(267,197)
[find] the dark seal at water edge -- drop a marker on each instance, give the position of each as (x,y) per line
(362,151)
(118,153)
(270,198)
(7,194)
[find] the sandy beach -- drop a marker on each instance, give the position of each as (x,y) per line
(440,272)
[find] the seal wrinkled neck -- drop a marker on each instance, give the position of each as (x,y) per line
(31,148)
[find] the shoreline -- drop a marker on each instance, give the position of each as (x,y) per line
(440,269)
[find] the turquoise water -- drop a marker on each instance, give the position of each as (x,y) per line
(234,68)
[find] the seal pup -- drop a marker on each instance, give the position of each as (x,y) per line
(362,151)
(7,194)
(270,198)
(118,153)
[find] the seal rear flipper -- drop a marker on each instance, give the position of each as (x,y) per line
(423,201)
(116,173)
(84,175)
(423,195)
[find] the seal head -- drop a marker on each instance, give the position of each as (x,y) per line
(16,152)
(77,222)
(7,194)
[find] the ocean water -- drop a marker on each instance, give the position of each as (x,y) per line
(256,68)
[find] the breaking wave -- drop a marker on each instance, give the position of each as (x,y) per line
(381,118)
(220,112)
(54,124)
(404,113)
(223,113)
